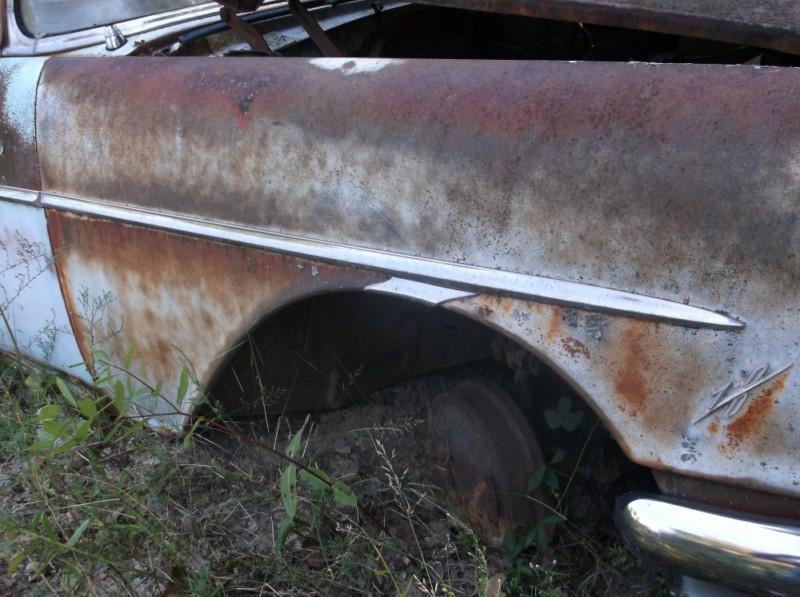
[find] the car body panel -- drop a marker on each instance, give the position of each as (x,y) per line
(667,182)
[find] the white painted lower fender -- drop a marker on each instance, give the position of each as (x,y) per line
(35,321)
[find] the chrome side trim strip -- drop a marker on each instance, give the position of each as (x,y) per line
(18,195)
(716,545)
(454,275)
(418,291)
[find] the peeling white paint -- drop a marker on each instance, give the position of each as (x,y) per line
(21,76)
(30,294)
(354,66)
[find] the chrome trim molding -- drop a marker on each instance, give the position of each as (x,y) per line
(454,275)
(419,291)
(18,195)
(716,545)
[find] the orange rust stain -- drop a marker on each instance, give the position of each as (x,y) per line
(713,427)
(554,325)
(631,378)
(505,307)
(750,422)
(575,347)
(177,293)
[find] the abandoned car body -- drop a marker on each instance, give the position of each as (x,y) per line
(621,203)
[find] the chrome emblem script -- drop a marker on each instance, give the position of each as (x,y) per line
(733,397)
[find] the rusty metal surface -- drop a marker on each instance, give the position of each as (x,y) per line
(474,431)
(182,301)
(773,24)
(649,381)
(672,181)
(19,166)
(501,164)
(312,27)
(710,493)
(245,31)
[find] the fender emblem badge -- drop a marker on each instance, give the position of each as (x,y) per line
(733,397)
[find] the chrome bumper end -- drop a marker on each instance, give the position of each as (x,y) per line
(716,545)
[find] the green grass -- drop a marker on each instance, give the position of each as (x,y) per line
(93,504)
(123,510)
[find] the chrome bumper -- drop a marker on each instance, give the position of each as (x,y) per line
(717,545)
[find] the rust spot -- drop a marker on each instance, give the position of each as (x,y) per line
(575,347)
(554,325)
(631,381)
(713,427)
(750,422)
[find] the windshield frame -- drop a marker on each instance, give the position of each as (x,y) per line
(20,43)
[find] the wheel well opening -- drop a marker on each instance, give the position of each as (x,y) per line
(328,351)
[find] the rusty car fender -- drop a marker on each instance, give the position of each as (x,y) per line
(634,225)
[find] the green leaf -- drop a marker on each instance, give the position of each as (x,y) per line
(49,411)
(119,397)
(293,449)
(15,563)
(56,429)
(126,364)
(283,533)
(82,431)
(542,537)
(552,418)
(43,520)
(344,495)
(189,437)
(572,420)
(551,520)
(563,417)
(288,486)
(43,445)
(76,536)
(88,408)
(183,385)
(551,480)
(34,381)
(315,481)
(66,392)
(536,477)
(558,456)
(513,545)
